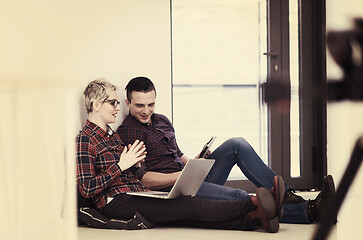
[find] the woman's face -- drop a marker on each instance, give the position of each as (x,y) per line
(108,111)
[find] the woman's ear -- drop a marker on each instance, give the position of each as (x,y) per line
(96,105)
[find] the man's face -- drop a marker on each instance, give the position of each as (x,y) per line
(142,105)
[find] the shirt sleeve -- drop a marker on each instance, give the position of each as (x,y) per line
(179,152)
(88,182)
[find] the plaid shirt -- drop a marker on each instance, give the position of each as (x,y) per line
(163,154)
(98,174)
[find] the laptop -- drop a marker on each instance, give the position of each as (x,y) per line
(188,182)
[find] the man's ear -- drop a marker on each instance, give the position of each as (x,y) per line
(127,103)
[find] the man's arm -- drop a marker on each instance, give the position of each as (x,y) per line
(184,159)
(157,181)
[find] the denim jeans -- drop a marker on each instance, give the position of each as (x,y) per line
(239,151)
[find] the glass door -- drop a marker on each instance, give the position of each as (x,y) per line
(296,58)
(217,69)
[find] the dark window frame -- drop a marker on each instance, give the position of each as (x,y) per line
(313,136)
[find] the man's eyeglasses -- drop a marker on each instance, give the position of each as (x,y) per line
(113,102)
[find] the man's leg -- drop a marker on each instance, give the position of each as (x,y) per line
(239,151)
(292,213)
(295,213)
(218,192)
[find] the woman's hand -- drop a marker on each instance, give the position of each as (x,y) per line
(132,155)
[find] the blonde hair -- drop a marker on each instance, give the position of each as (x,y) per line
(97,90)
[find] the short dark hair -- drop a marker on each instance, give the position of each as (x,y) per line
(139,84)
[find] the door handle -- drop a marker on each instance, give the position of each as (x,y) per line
(272,54)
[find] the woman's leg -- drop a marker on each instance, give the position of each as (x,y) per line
(242,215)
(182,208)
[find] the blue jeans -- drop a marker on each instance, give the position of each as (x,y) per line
(239,151)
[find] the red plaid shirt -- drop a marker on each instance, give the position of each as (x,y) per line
(98,174)
(163,153)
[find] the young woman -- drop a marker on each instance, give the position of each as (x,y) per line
(106,172)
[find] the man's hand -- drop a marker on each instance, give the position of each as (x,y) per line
(132,155)
(206,155)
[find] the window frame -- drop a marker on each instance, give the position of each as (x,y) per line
(312,72)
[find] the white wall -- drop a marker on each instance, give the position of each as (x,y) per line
(37,162)
(78,41)
(344,125)
(49,51)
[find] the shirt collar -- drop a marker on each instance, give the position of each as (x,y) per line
(154,119)
(98,130)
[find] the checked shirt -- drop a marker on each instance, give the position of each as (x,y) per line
(98,174)
(163,154)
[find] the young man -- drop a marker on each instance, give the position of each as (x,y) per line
(165,160)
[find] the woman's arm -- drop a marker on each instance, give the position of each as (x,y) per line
(134,154)
(92,183)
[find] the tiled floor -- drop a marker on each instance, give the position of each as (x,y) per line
(348,227)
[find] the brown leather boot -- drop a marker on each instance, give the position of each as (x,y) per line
(278,191)
(265,211)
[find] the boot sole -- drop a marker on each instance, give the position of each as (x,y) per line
(273,225)
(268,204)
(281,193)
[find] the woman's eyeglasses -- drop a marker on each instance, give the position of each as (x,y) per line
(113,102)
